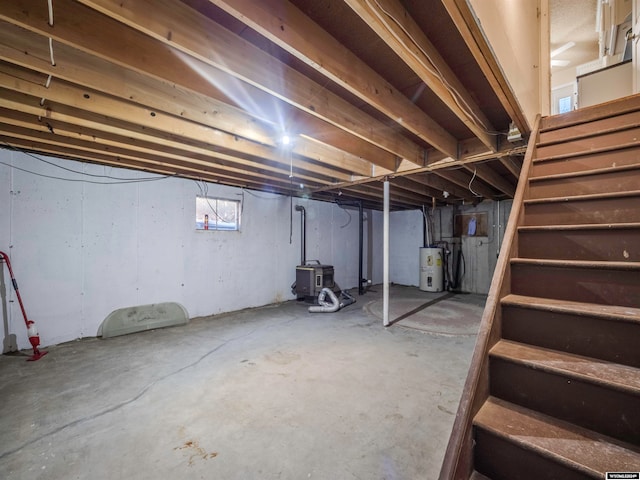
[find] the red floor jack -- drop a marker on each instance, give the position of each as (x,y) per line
(32,331)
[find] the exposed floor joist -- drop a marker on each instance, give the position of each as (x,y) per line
(204,89)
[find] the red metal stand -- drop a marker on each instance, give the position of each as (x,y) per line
(32,331)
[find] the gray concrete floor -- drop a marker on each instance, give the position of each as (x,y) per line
(267,393)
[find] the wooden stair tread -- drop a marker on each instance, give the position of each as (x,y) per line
(602,265)
(608,374)
(591,134)
(582,153)
(579,448)
(586,173)
(611,312)
(590,196)
(582,226)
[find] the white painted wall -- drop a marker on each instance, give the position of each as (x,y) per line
(605,85)
(81,250)
(517,36)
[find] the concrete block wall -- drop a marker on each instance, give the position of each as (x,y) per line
(81,250)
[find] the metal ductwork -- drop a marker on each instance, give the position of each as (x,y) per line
(333,304)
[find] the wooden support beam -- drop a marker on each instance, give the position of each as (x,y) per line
(440,165)
(398,195)
(85,69)
(113,143)
(288,27)
(464,180)
(438,183)
(512,165)
(393,24)
(152,160)
(108,107)
(88,71)
(373,196)
(85,29)
(487,174)
(427,193)
(87,156)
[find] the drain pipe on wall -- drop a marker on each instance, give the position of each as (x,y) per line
(303,234)
(385,256)
(360,248)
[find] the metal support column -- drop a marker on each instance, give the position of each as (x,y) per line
(385,257)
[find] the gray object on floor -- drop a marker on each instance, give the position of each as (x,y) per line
(143,317)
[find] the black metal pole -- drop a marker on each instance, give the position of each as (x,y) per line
(303,234)
(361,237)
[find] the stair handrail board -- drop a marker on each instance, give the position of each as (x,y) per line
(458,460)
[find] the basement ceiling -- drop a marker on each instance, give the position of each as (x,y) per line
(366,90)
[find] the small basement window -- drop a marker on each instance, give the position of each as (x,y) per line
(217,214)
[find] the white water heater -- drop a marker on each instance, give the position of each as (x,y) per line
(431,269)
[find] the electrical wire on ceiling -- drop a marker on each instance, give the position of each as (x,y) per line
(80,179)
(432,68)
(116,180)
(475,171)
(254,194)
(50,5)
(67,169)
(53,61)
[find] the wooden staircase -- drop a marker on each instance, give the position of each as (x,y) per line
(554,387)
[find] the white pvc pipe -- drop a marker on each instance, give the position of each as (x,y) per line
(385,257)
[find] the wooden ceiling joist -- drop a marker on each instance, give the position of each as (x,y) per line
(288,27)
(76,66)
(99,104)
(87,149)
(182,28)
(399,31)
(86,30)
(75,135)
(204,89)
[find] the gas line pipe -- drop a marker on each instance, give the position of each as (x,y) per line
(32,331)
